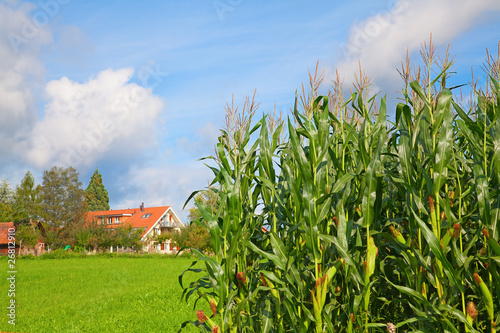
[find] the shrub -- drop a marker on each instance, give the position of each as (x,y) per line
(193,236)
(58,254)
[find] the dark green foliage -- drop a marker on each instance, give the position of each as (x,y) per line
(6,200)
(27,200)
(27,235)
(6,212)
(193,236)
(96,195)
(126,237)
(91,235)
(6,193)
(26,212)
(95,236)
(62,197)
(62,205)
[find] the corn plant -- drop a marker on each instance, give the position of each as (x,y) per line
(356,224)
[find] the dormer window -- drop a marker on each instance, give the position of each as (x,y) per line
(145,216)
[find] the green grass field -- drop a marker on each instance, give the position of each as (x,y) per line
(97,294)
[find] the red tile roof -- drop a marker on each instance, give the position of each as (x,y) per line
(132,217)
(4,232)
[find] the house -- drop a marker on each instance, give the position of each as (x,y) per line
(7,230)
(153,220)
(8,239)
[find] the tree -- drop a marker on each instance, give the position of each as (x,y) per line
(6,212)
(27,235)
(62,202)
(90,234)
(26,211)
(127,236)
(196,235)
(193,236)
(26,201)
(6,193)
(159,238)
(208,198)
(52,237)
(6,197)
(96,195)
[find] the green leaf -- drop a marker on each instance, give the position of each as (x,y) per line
(344,254)
(370,193)
(340,183)
(437,251)
(269,256)
(213,226)
(443,149)
(410,292)
(418,90)
(457,314)
(267,322)
(279,249)
(299,155)
(483,196)
(495,162)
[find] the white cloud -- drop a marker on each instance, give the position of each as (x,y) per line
(380,42)
(169,184)
(79,122)
(82,122)
(21,72)
(107,118)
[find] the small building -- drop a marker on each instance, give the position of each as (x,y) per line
(8,240)
(7,229)
(154,221)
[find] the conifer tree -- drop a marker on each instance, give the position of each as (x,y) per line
(6,198)
(27,200)
(6,193)
(96,195)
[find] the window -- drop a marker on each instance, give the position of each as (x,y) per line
(110,220)
(117,219)
(145,216)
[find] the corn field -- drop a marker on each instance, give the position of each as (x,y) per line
(337,220)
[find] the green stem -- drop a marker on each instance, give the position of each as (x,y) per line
(367,280)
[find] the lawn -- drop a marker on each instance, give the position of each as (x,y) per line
(97,294)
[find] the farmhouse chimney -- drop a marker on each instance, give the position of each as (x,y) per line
(142,207)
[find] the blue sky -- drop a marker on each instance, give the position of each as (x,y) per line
(138,88)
